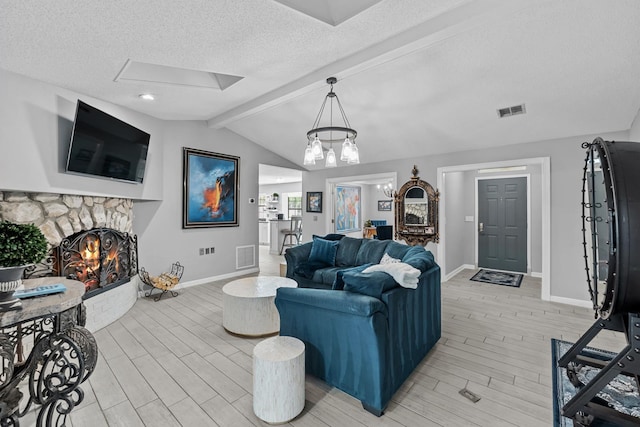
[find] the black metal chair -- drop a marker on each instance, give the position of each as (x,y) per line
(295,230)
(384,232)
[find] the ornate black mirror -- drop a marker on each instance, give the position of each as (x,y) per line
(417,212)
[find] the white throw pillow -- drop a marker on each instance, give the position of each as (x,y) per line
(386,259)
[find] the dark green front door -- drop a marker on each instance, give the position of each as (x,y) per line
(502,224)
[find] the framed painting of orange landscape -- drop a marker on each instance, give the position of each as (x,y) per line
(210,189)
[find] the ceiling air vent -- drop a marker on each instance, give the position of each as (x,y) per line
(511,111)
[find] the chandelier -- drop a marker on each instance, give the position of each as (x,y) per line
(318,136)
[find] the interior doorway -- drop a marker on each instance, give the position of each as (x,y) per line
(370,194)
(449,245)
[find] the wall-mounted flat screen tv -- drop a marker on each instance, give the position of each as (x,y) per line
(105,146)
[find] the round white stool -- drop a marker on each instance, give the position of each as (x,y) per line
(278,379)
(248,305)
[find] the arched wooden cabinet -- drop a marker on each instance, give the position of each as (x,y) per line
(416,212)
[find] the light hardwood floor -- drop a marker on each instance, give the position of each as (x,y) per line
(171,363)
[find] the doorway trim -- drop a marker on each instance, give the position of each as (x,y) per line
(476,239)
(545,207)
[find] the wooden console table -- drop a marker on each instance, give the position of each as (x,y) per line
(62,354)
(369,232)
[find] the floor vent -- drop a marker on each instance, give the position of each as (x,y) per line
(245,256)
(511,111)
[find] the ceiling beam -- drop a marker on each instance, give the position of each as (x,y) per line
(446,25)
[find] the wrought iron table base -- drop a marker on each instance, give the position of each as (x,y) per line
(64,355)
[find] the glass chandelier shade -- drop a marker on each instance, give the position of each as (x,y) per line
(331,159)
(320,135)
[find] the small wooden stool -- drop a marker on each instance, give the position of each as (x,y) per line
(278,379)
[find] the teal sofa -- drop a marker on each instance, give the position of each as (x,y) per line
(363,332)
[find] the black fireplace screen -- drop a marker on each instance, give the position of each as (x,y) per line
(101,258)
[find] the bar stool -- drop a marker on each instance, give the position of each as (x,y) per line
(294,230)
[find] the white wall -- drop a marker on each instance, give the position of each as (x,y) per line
(458,243)
(159,224)
(35,128)
(36,120)
(567,157)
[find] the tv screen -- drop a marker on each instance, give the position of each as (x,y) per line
(104,146)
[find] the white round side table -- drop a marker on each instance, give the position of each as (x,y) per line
(278,379)
(248,305)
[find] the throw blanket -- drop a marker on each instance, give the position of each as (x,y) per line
(404,274)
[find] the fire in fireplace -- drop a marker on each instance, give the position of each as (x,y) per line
(101,258)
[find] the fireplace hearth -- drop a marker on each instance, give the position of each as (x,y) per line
(101,258)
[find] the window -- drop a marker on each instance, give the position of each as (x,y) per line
(294,206)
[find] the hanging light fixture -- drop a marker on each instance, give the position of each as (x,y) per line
(344,135)
(387,190)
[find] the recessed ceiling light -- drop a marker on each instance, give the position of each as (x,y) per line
(146,96)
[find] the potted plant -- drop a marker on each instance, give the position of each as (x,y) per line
(275,197)
(20,246)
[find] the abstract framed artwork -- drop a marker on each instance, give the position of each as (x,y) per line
(210,189)
(314,201)
(384,205)
(347,209)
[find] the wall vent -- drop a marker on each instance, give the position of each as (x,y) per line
(245,256)
(511,111)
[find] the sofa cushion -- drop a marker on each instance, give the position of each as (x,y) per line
(371,251)
(372,284)
(347,251)
(326,276)
(308,268)
(330,236)
(338,282)
(323,251)
(397,250)
(418,257)
(406,275)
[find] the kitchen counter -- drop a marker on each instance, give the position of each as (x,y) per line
(275,235)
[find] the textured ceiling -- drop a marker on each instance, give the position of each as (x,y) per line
(414,77)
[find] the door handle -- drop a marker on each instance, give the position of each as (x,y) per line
(480,227)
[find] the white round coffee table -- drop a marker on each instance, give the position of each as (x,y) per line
(248,305)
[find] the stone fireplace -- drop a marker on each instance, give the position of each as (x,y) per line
(91,240)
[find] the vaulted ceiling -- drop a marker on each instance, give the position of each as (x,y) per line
(415,77)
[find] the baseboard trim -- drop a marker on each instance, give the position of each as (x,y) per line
(204,280)
(458,270)
(571,301)
(536,274)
